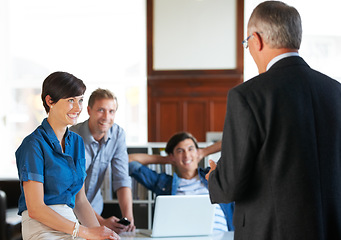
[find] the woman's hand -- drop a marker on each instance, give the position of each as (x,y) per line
(101,232)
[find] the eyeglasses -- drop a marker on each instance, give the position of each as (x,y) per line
(246,41)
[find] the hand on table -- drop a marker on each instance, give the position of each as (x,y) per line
(101,232)
(112,223)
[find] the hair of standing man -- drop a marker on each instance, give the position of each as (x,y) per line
(278,23)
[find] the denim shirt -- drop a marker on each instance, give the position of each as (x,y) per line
(164,184)
(40,158)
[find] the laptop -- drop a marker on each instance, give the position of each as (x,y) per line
(182,215)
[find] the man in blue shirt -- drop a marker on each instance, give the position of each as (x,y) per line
(188,178)
(105,147)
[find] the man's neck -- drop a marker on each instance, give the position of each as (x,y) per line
(270,54)
(96,135)
(188,174)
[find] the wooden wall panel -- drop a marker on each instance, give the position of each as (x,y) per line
(167,118)
(217,114)
(195,117)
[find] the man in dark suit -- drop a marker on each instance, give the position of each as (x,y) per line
(281,147)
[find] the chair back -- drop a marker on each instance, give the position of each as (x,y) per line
(3,207)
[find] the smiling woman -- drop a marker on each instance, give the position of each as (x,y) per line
(51,167)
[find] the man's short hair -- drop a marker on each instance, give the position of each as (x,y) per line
(179,137)
(278,23)
(99,94)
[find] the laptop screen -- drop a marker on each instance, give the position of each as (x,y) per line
(183,215)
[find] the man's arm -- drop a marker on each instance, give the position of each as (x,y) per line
(215,147)
(146,159)
(241,142)
(121,181)
(125,200)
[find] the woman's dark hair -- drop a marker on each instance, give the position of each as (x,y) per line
(60,85)
(179,137)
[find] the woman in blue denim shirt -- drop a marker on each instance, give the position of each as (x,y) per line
(51,168)
(188,178)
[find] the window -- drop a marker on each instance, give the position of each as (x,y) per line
(101,42)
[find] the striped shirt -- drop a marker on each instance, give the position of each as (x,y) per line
(195,187)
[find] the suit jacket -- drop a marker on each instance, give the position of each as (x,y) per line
(281,155)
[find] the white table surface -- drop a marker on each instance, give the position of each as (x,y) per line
(139,236)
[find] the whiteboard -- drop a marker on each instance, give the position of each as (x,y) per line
(194,34)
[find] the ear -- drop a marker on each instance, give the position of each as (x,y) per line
(259,44)
(48,100)
(88,109)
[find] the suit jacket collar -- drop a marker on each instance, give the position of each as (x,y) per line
(279,57)
(285,62)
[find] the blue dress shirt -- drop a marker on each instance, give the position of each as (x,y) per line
(40,158)
(110,152)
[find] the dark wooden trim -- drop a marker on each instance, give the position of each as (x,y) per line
(150,17)
(240,36)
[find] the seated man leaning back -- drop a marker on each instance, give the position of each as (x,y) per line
(188,178)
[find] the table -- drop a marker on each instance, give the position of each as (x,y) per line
(139,236)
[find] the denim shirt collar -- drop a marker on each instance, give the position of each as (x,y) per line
(52,136)
(49,131)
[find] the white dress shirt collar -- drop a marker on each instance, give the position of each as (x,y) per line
(279,57)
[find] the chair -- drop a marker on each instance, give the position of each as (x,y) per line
(10,222)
